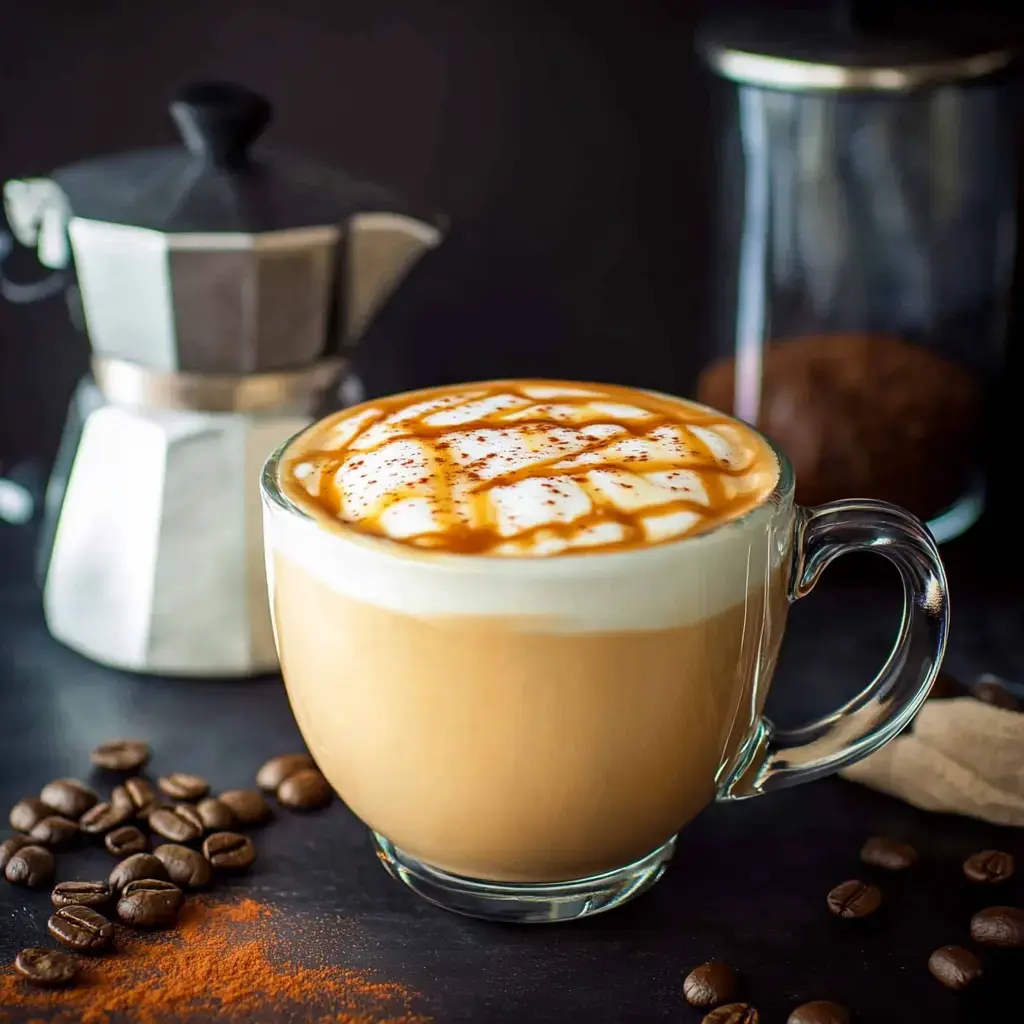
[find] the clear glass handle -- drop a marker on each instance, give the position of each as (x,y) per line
(773,759)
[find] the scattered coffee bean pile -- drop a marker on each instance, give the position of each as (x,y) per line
(716,985)
(145,890)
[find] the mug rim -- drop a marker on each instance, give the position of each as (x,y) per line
(781,496)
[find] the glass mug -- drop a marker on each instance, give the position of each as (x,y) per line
(525,737)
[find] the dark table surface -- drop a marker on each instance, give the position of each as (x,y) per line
(747,886)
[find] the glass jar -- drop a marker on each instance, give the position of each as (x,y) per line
(866,234)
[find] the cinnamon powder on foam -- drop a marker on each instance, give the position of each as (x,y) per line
(228,960)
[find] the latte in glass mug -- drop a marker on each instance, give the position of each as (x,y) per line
(527,630)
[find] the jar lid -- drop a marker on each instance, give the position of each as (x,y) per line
(214,182)
(872,47)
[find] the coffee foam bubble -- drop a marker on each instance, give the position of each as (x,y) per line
(531,469)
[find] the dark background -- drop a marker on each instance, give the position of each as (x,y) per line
(571,144)
(569,141)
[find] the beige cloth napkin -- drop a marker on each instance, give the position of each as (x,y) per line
(961,757)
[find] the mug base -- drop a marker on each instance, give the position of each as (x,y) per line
(524,903)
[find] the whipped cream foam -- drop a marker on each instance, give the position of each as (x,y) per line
(530,468)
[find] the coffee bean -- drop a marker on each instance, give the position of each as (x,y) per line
(140,790)
(120,799)
(709,985)
(946,685)
(229,851)
(31,866)
(9,847)
(996,695)
(733,1013)
(54,831)
(248,806)
(68,797)
(138,795)
(890,854)
(26,814)
(854,899)
(277,769)
(215,814)
(305,790)
(81,929)
(992,866)
(179,786)
(46,967)
(81,894)
(125,841)
(998,926)
(134,868)
(102,818)
(954,966)
(180,824)
(821,1011)
(149,903)
(120,755)
(191,814)
(995,691)
(185,867)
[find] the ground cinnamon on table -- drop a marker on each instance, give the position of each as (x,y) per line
(228,960)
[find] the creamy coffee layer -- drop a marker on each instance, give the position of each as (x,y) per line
(500,749)
(529,468)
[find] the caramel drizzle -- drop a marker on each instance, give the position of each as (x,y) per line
(482,535)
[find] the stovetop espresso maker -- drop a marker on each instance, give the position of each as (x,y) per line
(221,287)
